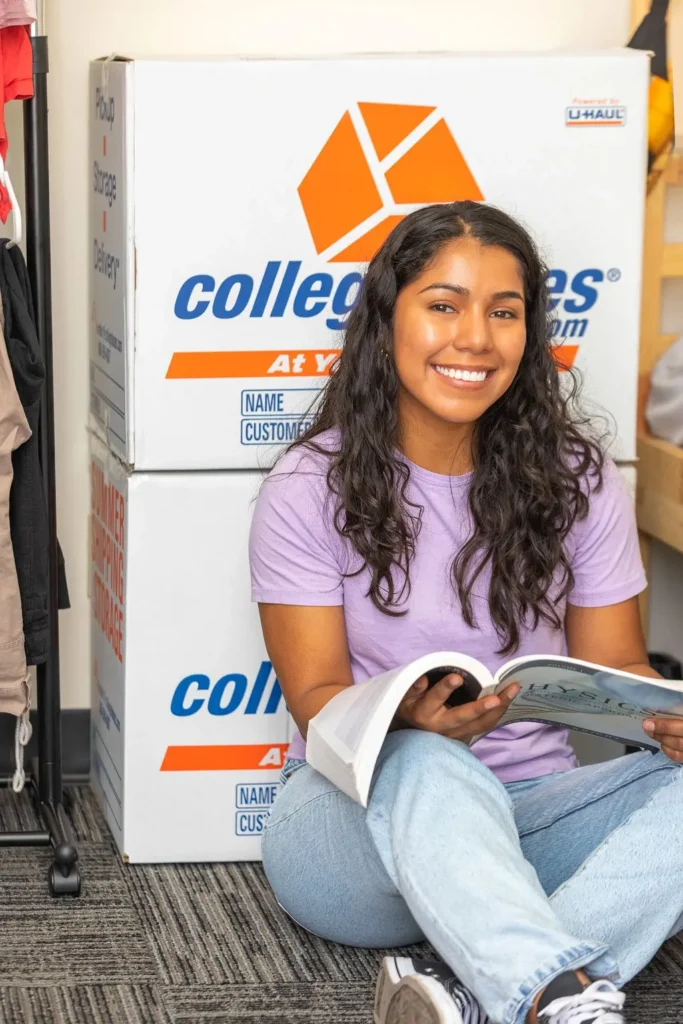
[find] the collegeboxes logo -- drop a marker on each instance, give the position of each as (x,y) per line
(226,698)
(381,161)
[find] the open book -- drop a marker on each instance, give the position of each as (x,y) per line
(345,738)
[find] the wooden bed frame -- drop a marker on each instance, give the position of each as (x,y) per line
(659,493)
(659,501)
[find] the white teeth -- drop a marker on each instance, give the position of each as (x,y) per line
(473,375)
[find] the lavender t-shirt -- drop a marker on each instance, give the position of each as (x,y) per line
(298,558)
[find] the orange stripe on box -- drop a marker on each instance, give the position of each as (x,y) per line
(245,757)
(564,356)
(273,364)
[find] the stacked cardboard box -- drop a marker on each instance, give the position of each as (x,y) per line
(234,205)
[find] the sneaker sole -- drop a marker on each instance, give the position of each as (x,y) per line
(415,999)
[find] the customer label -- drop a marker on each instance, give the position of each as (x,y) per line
(250,823)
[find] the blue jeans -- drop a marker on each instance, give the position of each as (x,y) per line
(511,884)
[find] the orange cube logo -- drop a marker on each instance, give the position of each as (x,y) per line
(381,161)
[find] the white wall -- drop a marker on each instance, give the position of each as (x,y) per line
(79,31)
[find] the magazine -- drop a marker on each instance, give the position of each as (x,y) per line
(346,736)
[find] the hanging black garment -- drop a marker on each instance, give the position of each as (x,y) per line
(28,510)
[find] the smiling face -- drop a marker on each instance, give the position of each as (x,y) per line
(459,333)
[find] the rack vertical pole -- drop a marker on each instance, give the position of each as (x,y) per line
(36,159)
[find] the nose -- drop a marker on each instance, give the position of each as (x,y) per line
(473,331)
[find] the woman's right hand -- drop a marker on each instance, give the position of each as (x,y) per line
(424,707)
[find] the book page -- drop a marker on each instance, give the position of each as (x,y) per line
(362,704)
(591,698)
(615,727)
(357,717)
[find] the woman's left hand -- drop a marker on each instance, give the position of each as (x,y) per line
(668,732)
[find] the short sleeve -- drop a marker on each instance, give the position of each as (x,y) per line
(294,551)
(606,559)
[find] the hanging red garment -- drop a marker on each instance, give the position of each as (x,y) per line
(16,72)
(16,77)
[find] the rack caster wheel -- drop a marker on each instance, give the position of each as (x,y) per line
(63,876)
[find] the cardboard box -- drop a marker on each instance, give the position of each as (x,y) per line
(234,204)
(189,727)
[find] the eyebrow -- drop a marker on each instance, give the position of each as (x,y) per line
(465,292)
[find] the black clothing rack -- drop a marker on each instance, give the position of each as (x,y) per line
(46,769)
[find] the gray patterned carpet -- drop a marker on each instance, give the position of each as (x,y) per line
(190,945)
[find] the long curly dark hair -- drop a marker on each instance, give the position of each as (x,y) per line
(531,450)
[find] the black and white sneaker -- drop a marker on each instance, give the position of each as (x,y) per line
(566,1001)
(423,992)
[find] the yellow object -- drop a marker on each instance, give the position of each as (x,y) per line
(660,127)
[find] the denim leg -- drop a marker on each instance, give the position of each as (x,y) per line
(607,843)
(436,854)
(445,830)
(325,871)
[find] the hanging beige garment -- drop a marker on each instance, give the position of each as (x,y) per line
(14,687)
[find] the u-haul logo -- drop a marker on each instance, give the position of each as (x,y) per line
(228,694)
(595,114)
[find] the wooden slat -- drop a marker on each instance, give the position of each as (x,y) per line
(673,175)
(644,597)
(672,259)
(675,54)
(643,395)
(650,314)
(659,502)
